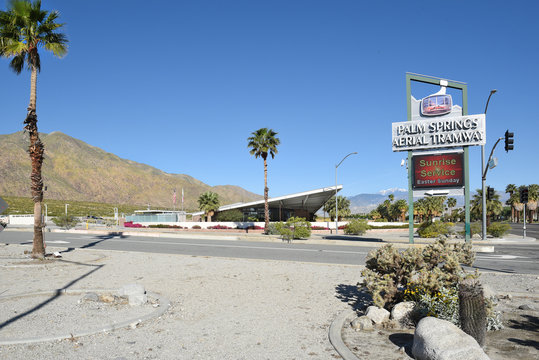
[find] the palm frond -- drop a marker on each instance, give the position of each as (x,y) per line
(17,63)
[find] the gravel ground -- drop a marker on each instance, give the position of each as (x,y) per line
(221,308)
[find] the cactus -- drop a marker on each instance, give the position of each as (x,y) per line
(472,310)
(389,272)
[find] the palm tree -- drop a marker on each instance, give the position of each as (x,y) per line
(399,208)
(494,206)
(451,203)
(262,142)
(209,203)
(344,207)
(511,189)
(24,29)
(533,196)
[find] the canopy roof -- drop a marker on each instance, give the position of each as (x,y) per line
(311,201)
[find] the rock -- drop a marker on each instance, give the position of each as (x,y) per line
(107,298)
(526,307)
(476,236)
(135,294)
(362,323)
(402,311)
(436,339)
(91,296)
(377,315)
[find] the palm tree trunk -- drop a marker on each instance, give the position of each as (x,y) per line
(266,191)
(35,150)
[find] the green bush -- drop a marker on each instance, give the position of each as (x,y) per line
(356,227)
(498,229)
(273,228)
(294,228)
(65,221)
(389,272)
(229,215)
(444,304)
(434,229)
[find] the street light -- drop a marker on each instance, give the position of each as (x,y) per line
(336,205)
(484,179)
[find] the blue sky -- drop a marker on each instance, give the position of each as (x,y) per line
(180,85)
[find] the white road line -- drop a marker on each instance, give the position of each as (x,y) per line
(56,242)
(238,246)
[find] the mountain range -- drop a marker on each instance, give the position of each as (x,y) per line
(74,170)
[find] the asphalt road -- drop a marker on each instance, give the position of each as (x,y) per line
(532,230)
(507,258)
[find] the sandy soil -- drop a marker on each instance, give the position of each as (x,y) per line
(221,308)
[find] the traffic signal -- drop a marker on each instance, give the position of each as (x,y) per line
(509,141)
(490,193)
(524,195)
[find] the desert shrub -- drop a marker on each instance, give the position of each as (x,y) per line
(294,228)
(219,227)
(498,229)
(319,228)
(444,304)
(356,227)
(389,272)
(434,229)
(65,221)
(165,226)
(196,227)
(272,229)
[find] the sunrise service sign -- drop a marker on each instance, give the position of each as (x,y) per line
(435,171)
(443,132)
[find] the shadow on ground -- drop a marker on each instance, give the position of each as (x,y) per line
(352,295)
(57,293)
(351,238)
(100,238)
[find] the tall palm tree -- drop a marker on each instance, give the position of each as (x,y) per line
(24,29)
(209,203)
(451,203)
(511,189)
(262,142)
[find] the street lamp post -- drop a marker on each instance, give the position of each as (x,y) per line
(46,213)
(336,204)
(484,180)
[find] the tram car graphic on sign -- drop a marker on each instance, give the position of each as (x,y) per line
(436,105)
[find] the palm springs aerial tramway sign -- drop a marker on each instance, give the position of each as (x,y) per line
(437,137)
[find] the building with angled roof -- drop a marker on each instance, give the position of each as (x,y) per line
(304,204)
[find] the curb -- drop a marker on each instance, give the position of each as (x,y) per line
(164,305)
(335,337)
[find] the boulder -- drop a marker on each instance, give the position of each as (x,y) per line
(377,315)
(362,323)
(401,312)
(135,294)
(437,339)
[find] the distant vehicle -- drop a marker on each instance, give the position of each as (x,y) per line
(436,105)
(94,217)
